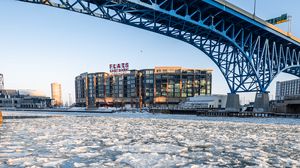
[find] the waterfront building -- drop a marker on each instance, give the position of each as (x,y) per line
(287,89)
(290,104)
(1,82)
(80,89)
(205,102)
(35,102)
(10,98)
(287,98)
(56,94)
(23,99)
(161,86)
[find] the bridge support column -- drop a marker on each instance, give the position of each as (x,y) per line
(233,102)
(261,103)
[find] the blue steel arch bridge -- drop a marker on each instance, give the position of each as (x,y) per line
(249,52)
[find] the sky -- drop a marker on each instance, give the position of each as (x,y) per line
(40,45)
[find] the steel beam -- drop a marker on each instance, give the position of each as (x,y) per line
(248,56)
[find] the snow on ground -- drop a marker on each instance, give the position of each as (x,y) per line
(117,140)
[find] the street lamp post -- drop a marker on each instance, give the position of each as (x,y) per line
(290,25)
(254,12)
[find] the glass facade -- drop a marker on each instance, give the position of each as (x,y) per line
(81,89)
(147,86)
(132,84)
(103,85)
(161,85)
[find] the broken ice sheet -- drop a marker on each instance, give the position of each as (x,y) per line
(118,140)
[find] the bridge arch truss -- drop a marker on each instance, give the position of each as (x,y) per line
(249,54)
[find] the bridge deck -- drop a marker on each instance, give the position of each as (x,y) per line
(218,9)
(261,21)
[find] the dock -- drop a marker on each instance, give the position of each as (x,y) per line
(223,113)
(247,114)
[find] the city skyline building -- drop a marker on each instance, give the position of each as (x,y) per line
(1,82)
(287,88)
(165,86)
(56,94)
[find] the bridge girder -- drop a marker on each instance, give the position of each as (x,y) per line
(248,57)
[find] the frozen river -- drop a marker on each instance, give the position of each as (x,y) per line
(146,140)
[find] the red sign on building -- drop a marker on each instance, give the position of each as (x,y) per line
(121,67)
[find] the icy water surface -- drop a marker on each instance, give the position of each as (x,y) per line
(113,140)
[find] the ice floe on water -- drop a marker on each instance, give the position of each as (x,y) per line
(117,140)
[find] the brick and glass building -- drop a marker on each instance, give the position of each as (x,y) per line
(161,86)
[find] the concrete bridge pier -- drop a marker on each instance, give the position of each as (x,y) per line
(261,103)
(233,103)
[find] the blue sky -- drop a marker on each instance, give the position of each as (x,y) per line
(40,45)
